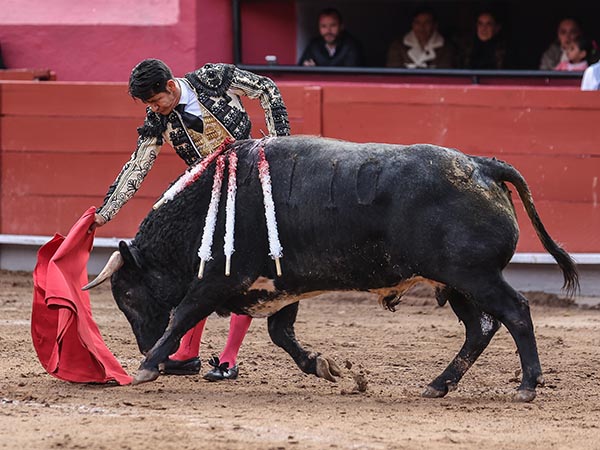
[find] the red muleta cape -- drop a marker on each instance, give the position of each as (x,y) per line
(66,338)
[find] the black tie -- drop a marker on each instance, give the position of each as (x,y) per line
(190,120)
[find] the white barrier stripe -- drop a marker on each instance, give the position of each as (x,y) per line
(113,243)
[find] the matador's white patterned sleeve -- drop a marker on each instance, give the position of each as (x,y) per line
(257,86)
(132,174)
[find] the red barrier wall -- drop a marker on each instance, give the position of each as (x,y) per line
(550,134)
(62,144)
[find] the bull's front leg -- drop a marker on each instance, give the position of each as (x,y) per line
(281,330)
(196,305)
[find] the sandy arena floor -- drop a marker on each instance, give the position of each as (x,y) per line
(274,406)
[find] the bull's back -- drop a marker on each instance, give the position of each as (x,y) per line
(381,211)
(354,181)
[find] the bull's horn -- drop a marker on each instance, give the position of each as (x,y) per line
(114,263)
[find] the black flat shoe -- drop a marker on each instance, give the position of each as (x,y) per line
(186,367)
(220,371)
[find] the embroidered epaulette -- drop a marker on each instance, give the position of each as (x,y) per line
(211,83)
(214,79)
(154,126)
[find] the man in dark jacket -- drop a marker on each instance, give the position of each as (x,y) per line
(334,46)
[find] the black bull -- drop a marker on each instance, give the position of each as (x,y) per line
(350,216)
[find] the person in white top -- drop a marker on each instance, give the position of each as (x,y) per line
(591,78)
(423,47)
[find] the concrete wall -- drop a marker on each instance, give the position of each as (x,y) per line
(87,40)
(62,144)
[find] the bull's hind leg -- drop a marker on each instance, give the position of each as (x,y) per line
(479,327)
(281,330)
(500,300)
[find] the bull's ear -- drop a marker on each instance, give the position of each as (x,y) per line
(131,255)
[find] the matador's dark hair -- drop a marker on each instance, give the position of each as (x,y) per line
(148,78)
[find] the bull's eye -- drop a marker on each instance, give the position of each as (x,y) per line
(128,295)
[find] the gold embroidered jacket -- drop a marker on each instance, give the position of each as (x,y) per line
(218,87)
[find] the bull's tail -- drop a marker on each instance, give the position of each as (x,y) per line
(501,171)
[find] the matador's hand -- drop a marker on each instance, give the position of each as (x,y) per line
(98,222)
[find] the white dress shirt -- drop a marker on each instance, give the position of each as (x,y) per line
(189,98)
(591,78)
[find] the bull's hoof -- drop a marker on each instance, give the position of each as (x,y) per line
(524,396)
(144,376)
(328,369)
(431,392)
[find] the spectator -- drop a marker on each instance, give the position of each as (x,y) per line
(577,53)
(568,29)
(591,78)
(334,46)
(487,49)
(423,46)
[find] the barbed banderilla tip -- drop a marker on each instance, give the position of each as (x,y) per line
(158,204)
(278,266)
(201,268)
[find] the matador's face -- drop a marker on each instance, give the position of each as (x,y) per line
(165,102)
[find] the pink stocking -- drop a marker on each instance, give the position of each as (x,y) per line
(189,346)
(238,327)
